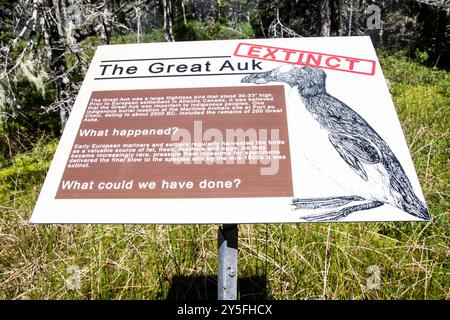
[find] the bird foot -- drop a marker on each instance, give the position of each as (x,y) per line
(327,202)
(341,213)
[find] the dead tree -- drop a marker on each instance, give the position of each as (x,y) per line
(9,66)
(168,20)
(53,35)
(337,26)
(106,22)
(325,18)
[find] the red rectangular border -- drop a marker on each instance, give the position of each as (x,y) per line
(304,51)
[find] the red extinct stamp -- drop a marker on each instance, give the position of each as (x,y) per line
(306,58)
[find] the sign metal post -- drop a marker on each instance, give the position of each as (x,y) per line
(227,256)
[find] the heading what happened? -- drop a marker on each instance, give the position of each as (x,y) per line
(127,133)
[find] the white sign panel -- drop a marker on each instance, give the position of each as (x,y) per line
(238,131)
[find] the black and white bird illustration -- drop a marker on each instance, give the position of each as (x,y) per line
(355,141)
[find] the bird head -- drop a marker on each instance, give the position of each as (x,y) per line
(308,80)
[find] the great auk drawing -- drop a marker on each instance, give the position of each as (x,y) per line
(356,142)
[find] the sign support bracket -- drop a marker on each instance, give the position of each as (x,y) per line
(227,262)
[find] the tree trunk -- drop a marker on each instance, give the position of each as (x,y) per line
(325,18)
(337,27)
(53,35)
(168,18)
(440,42)
(105,28)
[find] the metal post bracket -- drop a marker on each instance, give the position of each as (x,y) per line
(227,254)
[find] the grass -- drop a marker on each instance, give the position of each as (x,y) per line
(292,261)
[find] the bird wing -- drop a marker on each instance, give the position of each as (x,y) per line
(354,151)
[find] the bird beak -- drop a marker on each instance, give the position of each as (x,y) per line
(258,78)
